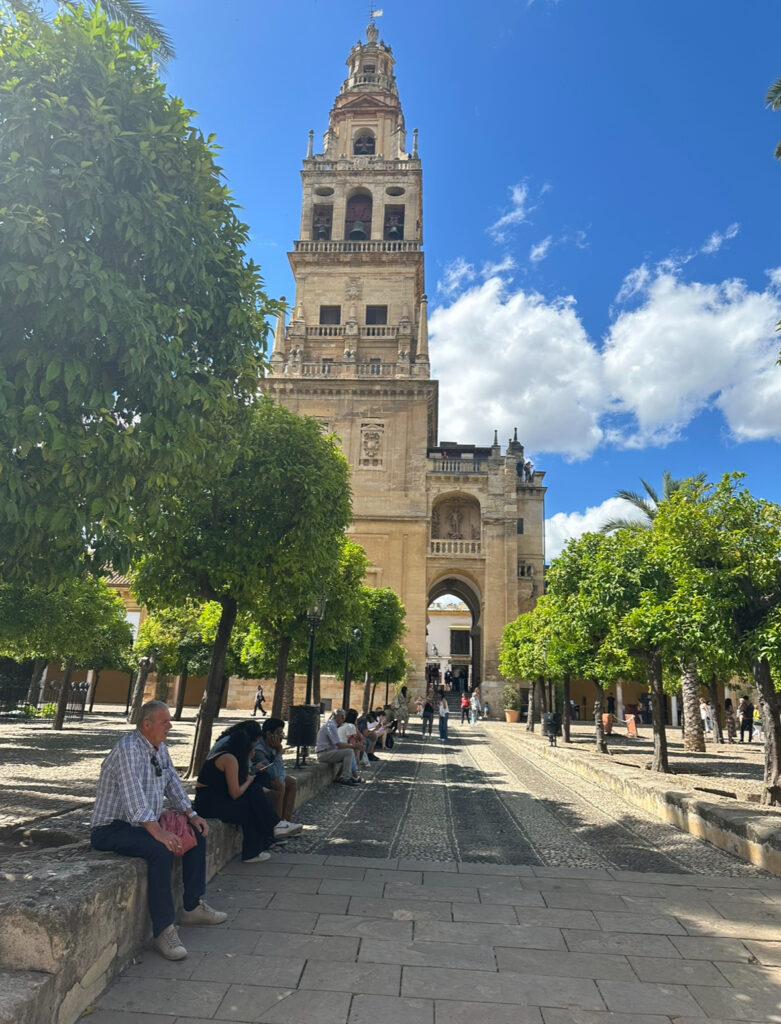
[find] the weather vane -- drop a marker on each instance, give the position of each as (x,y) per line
(374,12)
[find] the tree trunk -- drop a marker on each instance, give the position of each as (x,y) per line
(599,727)
(145,666)
(223,688)
(693,735)
(180,694)
(213,689)
(62,700)
(279,679)
(565,710)
(713,693)
(374,694)
(770,710)
(92,691)
(316,685)
(366,693)
(653,667)
(161,687)
(288,695)
(34,692)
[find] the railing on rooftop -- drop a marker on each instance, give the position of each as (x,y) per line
(477,466)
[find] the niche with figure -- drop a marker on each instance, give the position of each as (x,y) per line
(456,518)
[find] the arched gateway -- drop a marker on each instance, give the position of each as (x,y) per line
(430,513)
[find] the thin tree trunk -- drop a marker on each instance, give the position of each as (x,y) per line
(532,715)
(288,695)
(599,727)
(62,700)
(366,693)
(213,689)
(180,695)
(713,693)
(653,663)
(223,688)
(279,679)
(145,666)
(770,710)
(92,691)
(693,735)
(565,709)
(34,692)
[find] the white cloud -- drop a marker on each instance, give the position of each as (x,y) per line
(504,266)
(519,212)
(540,251)
(715,241)
(689,346)
(509,359)
(565,526)
(456,275)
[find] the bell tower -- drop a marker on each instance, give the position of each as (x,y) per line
(355,350)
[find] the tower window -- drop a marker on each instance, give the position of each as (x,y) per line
(364,144)
(459,641)
(330,314)
(393,224)
(358,222)
(326,365)
(376,314)
(519,526)
(375,367)
(322,219)
(369,69)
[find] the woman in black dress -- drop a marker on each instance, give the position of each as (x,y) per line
(226,790)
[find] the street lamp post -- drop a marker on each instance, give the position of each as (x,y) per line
(355,634)
(387,684)
(314,617)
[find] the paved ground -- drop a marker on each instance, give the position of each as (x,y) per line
(474,882)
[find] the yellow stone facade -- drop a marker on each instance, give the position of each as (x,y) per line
(434,517)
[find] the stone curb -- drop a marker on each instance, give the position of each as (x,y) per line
(74,918)
(742,830)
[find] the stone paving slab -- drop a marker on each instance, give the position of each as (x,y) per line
(375,960)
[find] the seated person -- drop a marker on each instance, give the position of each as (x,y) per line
(134,779)
(284,829)
(362,724)
(348,733)
(226,790)
(281,787)
(331,750)
(379,728)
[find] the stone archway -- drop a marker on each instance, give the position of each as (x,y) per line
(466,592)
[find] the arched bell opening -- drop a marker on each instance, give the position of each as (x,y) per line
(358,222)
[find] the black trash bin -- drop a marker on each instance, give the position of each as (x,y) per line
(303,725)
(551,726)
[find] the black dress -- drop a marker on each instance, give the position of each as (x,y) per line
(251,810)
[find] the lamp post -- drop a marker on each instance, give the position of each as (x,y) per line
(355,634)
(314,616)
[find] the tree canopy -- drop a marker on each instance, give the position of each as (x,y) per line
(130,313)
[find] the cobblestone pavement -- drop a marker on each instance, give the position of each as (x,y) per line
(481,798)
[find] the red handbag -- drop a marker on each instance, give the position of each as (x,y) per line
(173,821)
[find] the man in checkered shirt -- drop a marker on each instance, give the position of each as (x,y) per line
(134,779)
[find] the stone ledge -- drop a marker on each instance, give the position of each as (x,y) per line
(73,918)
(740,829)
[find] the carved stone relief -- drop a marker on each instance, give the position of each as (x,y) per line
(456,519)
(354,288)
(372,445)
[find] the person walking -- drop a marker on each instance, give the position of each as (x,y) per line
(444,711)
(746,716)
(400,707)
(730,721)
(707,720)
(464,708)
(259,698)
(474,707)
(427,715)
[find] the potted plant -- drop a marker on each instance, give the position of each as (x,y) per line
(511,698)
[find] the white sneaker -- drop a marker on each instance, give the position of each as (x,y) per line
(264,855)
(286,829)
(169,945)
(202,914)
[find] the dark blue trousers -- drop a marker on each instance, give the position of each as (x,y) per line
(135,841)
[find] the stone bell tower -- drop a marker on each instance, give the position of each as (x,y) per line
(433,518)
(355,351)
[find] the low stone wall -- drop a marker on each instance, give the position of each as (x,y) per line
(743,830)
(73,918)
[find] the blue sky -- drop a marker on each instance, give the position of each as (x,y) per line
(600,214)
